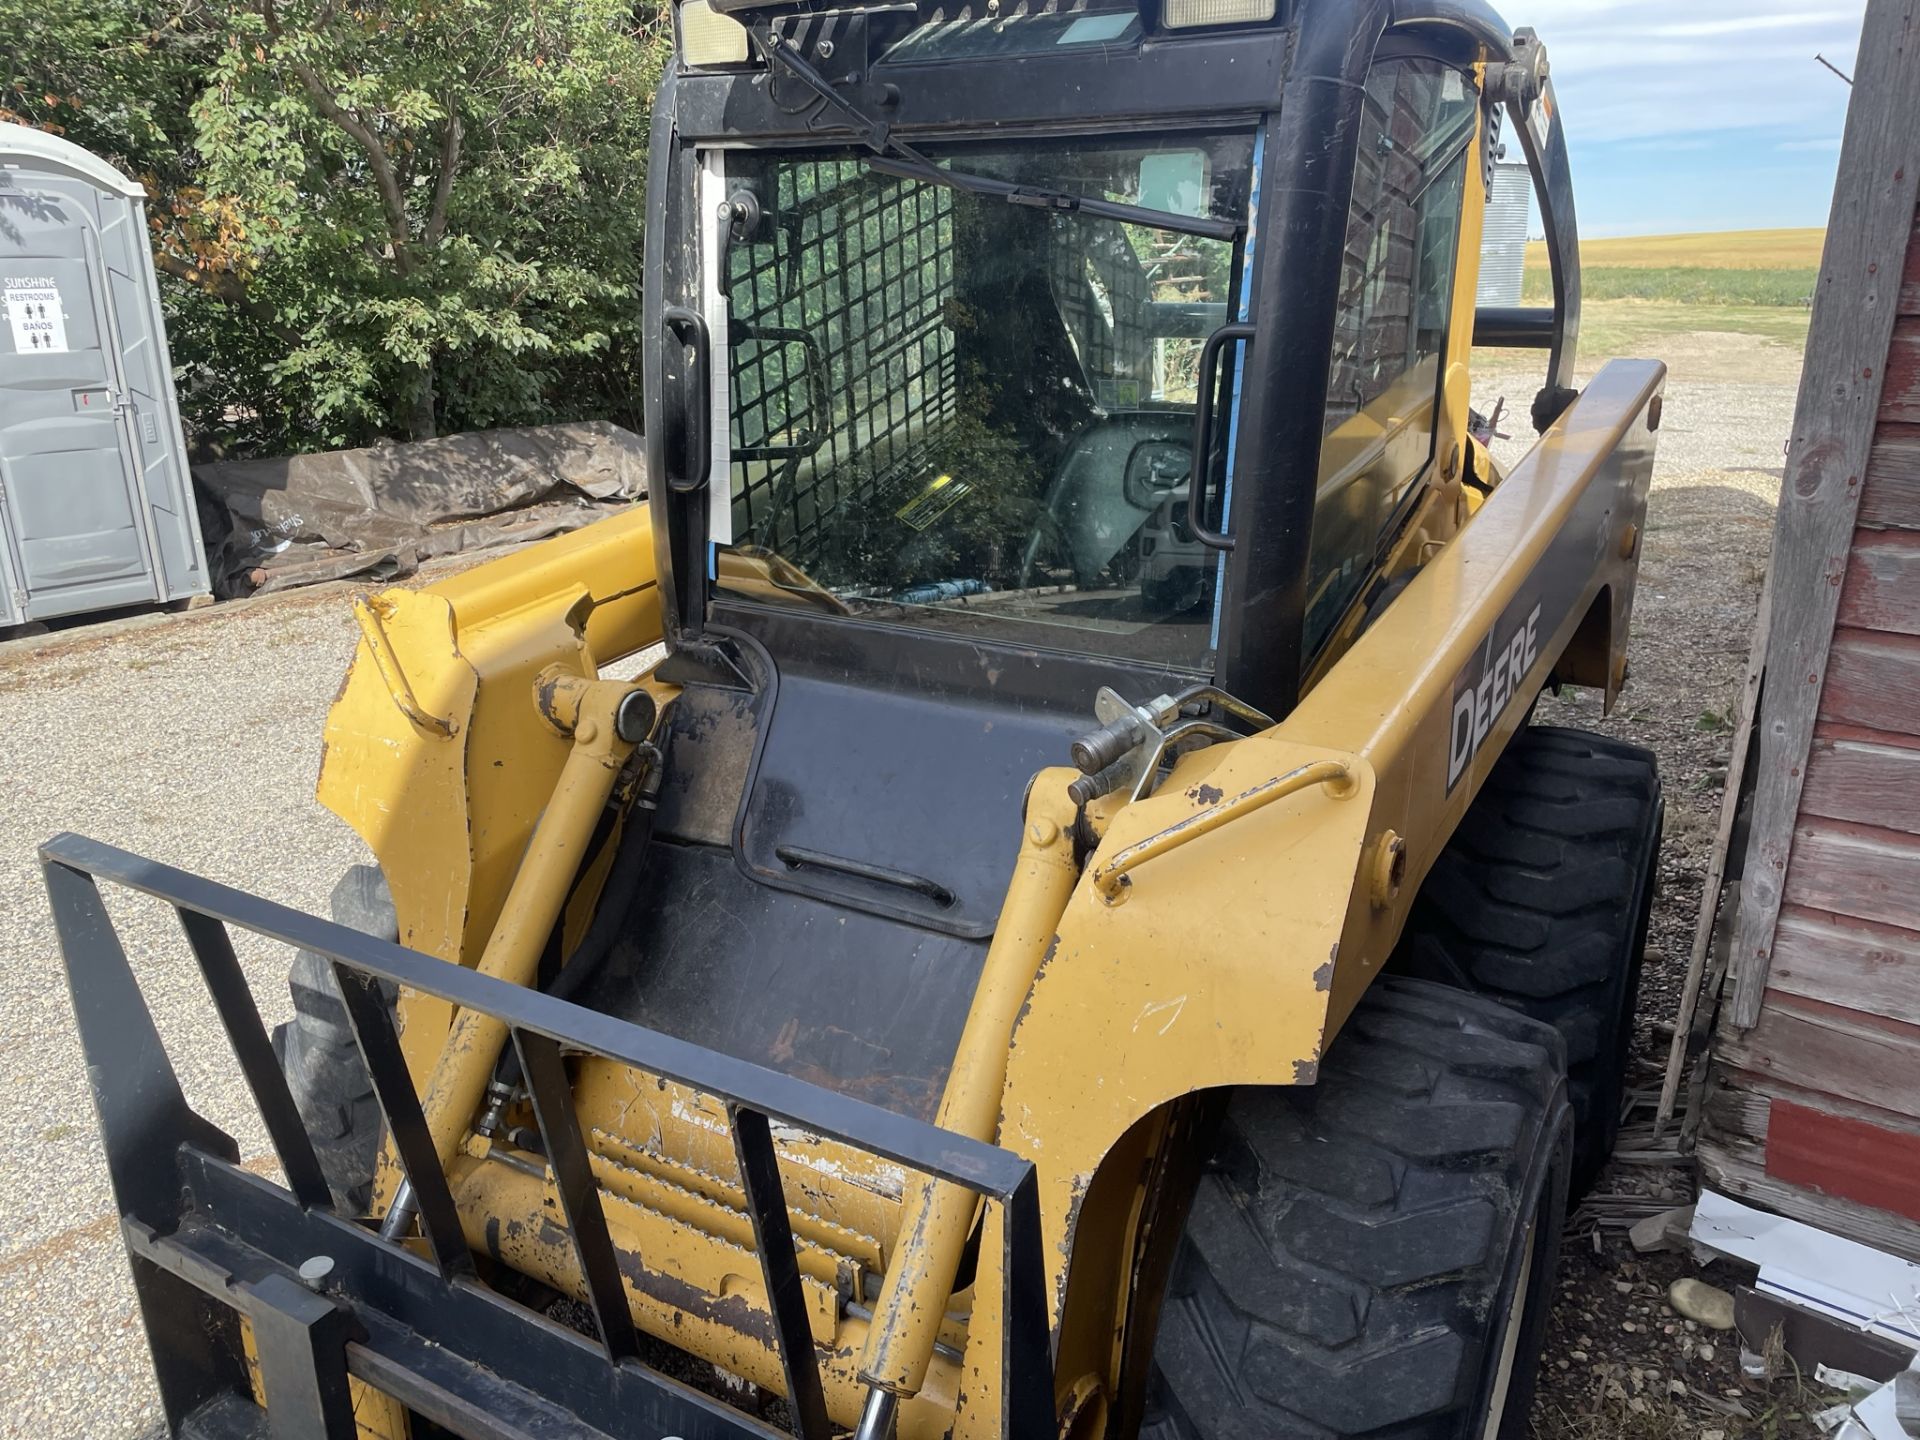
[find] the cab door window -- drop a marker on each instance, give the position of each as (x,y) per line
(1396,292)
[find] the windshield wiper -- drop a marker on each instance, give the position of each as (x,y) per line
(1064,201)
(893,156)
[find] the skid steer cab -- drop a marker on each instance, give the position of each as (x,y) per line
(1019,895)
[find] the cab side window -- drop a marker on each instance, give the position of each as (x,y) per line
(1396,294)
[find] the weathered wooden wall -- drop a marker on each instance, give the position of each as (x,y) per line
(1812,1102)
(1815,1109)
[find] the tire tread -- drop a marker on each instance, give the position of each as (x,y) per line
(1539,901)
(319,1056)
(1349,1239)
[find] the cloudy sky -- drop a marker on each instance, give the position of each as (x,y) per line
(1698,114)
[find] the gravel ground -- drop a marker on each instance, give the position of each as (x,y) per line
(106,732)
(109,735)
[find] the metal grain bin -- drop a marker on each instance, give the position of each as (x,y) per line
(1503,242)
(96,507)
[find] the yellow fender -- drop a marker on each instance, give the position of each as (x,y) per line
(1232,956)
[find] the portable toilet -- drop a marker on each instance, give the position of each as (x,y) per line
(96,505)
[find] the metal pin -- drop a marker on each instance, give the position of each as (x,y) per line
(400,1215)
(876,1421)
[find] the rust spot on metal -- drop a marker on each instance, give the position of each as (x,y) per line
(1204,794)
(735,1312)
(915,1095)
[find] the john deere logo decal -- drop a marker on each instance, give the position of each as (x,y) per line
(1483,687)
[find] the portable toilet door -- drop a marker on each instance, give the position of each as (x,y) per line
(95,498)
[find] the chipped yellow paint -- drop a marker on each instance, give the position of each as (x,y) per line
(448,816)
(939,1215)
(682,1136)
(697,1290)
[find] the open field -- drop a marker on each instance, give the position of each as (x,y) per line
(1786,289)
(1675,294)
(1715,250)
(1738,271)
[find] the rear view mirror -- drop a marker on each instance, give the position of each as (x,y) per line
(1156,470)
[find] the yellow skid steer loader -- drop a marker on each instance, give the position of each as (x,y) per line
(1018,896)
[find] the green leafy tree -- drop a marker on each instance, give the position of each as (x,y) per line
(379,219)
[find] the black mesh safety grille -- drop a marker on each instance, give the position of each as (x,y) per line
(839,346)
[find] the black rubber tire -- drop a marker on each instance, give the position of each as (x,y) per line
(319,1057)
(1356,1246)
(1541,900)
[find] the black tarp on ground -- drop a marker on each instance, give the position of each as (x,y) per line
(301,519)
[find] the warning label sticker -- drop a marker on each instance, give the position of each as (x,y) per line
(34,314)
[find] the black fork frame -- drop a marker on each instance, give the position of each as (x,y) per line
(209,1240)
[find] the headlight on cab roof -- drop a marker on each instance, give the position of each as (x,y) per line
(708,38)
(1192,14)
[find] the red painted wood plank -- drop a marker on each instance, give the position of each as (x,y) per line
(1742,1097)
(1891,495)
(1874,876)
(1869,784)
(1910,274)
(1873,680)
(1882,588)
(1874,969)
(1869,1061)
(1833,730)
(1837,1155)
(1900,389)
(1845,1017)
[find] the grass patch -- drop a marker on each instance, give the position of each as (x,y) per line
(1681,285)
(1730,272)
(1642,327)
(1615,329)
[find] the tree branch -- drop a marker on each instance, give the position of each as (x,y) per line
(225,286)
(357,129)
(443,187)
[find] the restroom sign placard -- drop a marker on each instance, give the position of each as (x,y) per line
(33,313)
